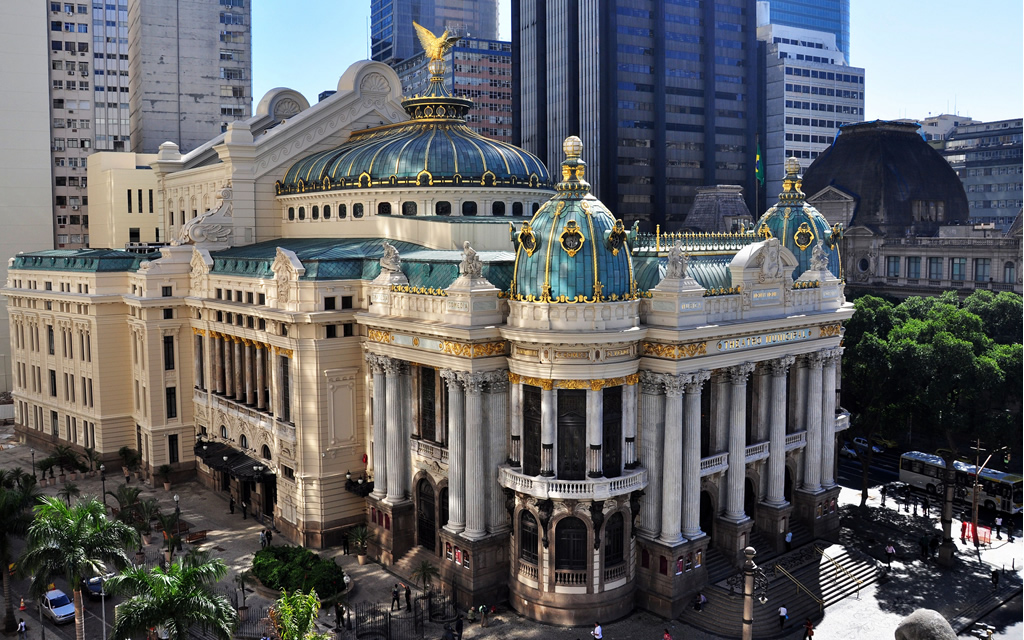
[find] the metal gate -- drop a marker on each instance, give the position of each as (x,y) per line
(377,622)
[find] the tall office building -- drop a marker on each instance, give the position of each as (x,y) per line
(190,65)
(987,157)
(664,93)
(832,16)
(393,37)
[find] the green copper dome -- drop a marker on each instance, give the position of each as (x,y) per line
(434,148)
(573,250)
(799,226)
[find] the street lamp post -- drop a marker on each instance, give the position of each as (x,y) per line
(753,579)
(103,481)
(33,452)
(177,519)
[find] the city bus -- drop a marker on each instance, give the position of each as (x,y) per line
(996,490)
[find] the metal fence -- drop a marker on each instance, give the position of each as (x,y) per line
(378,622)
(440,606)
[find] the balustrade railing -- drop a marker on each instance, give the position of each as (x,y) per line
(571,578)
(590,489)
(757,451)
(796,440)
(528,570)
(714,464)
(615,573)
(430,451)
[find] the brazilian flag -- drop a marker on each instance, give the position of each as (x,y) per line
(759,166)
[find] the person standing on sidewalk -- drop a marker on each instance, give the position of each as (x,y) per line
(395,600)
(22,629)
(995,579)
(890,553)
(244,508)
(597,633)
(883,492)
(808,629)
(459,623)
(999,527)
(231,505)
(263,539)
(789,541)
(408,598)
(783,616)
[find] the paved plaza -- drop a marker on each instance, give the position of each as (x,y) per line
(912,582)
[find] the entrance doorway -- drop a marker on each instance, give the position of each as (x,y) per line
(426,524)
(787,487)
(749,498)
(707,515)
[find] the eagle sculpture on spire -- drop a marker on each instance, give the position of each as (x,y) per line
(435,46)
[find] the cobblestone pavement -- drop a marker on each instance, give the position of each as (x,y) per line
(874,614)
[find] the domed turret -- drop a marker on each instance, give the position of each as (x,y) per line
(573,250)
(799,226)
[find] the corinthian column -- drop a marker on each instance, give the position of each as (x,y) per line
(238,372)
(261,375)
(595,430)
(812,452)
(652,423)
(515,451)
(197,363)
(737,441)
(249,398)
(777,431)
(672,452)
(828,416)
(380,439)
(218,363)
(456,452)
(395,450)
(691,455)
(548,422)
(629,392)
(496,435)
(476,516)
(229,367)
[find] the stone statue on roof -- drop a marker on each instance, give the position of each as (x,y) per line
(819,257)
(390,261)
(678,261)
(470,265)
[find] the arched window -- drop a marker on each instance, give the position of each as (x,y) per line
(384,209)
(265,452)
(536,205)
(528,537)
(291,213)
(1009,273)
(243,441)
(443,208)
(357,210)
(497,208)
(223,431)
(342,211)
(315,212)
(469,208)
(571,545)
(408,208)
(442,507)
(517,208)
(302,213)
(614,540)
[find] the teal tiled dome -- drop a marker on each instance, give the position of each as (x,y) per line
(799,226)
(434,148)
(573,250)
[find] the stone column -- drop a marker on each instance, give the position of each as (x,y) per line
(272,380)
(197,363)
(737,442)
(218,363)
(629,393)
(476,517)
(395,450)
(239,372)
(496,428)
(798,399)
(548,424)
(652,423)
(229,368)
(595,431)
(249,398)
(719,412)
(828,416)
(456,451)
(691,455)
(261,382)
(407,426)
(812,452)
(777,432)
(378,461)
(515,453)
(672,455)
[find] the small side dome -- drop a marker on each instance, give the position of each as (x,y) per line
(573,250)
(799,226)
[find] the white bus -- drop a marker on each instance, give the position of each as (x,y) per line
(996,490)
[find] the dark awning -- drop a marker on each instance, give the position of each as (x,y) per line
(237,464)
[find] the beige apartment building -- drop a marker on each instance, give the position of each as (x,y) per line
(123,186)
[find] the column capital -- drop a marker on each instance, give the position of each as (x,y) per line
(832,356)
(815,359)
(474,382)
(497,381)
(696,380)
(651,383)
(780,366)
(674,384)
(377,362)
(738,374)
(452,377)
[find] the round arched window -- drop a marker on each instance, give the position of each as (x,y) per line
(223,432)
(315,212)
(302,213)
(265,452)
(243,441)
(497,208)
(291,213)
(384,209)
(327,212)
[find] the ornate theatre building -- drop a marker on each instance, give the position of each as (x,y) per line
(372,315)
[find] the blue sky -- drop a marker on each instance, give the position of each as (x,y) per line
(920,57)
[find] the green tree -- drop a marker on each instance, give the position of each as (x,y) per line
(294,615)
(73,542)
(425,573)
(173,599)
(15,518)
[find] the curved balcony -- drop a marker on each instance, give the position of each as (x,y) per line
(590,489)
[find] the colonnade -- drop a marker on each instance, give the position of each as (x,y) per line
(244,370)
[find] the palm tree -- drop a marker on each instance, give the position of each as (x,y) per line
(73,542)
(425,573)
(127,502)
(293,616)
(14,521)
(173,599)
(69,491)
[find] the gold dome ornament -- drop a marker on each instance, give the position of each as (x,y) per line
(572,147)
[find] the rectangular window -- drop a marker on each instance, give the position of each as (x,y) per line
(329,303)
(913,267)
(53,383)
(54,423)
(49,339)
(168,353)
(286,389)
(166,292)
(982,269)
(935,268)
(892,266)
(346,302)
(262,299)
(168,314)
(172,448)
(958,269)
(331,330)
(171,394)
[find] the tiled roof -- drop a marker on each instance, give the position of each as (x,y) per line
(84,260)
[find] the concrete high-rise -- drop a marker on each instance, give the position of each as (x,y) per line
(664,93)
(190,70)
(393,37)
(987,157)
(832,16)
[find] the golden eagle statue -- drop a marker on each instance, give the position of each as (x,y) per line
(435,46)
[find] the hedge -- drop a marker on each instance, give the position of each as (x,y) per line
(294,568)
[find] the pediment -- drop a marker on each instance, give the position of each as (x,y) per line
(831,194)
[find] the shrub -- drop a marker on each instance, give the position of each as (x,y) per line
(288,568)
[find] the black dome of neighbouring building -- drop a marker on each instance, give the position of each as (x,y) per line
(899,182)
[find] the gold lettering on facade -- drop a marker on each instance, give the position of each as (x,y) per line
(526,352)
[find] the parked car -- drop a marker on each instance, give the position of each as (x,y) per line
(58,607)
(848,451)
(93,587)
(885,443)
(862,445)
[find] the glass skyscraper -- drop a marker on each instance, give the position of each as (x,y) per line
(393,37)
(832,16)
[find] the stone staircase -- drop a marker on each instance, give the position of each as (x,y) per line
(826,581)
(411,560)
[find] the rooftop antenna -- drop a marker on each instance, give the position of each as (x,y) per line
(367,37)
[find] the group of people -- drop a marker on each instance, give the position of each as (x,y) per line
(266,536)
(454,631)
(396,599)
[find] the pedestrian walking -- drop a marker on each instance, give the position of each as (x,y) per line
(890,553)
(783,616)
(244,508)
(483,615)
(395,600)
(995,579)
(408,598)
(263,539)
(231,505)
(270,537)
(789,541)
(924,506)
(448,635)
(666,635)
(922,542)
(999,527)
(459,622)
(22,629)
(127,475)
(933,545)
(808,629)
(963,532)
(883,492)
(344,542)
(597,632)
